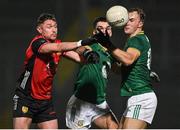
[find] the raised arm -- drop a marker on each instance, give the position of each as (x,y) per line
(42,46)
(54,47)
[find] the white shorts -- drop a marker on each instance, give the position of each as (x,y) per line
(80,114)
(141,107)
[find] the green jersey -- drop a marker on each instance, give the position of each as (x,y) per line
(92,78)
(136,77)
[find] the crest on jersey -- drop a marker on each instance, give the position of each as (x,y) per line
(80,123)
(24,109)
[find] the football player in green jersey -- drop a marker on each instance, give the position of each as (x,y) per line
(88,103)
(135,69)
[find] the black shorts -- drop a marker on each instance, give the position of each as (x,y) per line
(38,110)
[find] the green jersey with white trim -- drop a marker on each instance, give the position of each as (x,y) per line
(136,77)
(92,78)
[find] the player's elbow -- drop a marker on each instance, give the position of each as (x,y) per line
(129,60)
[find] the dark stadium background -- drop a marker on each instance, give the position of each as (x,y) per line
(17,27)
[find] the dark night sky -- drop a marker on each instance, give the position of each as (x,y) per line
(17,27)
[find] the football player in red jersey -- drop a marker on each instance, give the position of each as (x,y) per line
(33,96)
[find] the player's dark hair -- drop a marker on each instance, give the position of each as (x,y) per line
(98,19)
(45,16)
(140,12)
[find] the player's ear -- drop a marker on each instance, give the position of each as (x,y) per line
(141,24)
(38,28)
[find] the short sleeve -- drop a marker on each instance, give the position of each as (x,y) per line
(137,43)
(37,43)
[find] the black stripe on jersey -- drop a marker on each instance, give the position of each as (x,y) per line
(30,64)
(37,43)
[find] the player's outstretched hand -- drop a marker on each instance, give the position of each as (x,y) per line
(102,38)
(88,41)
(91,56)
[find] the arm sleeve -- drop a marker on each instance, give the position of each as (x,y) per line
(37,44)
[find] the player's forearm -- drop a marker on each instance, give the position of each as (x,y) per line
(54,47)
(66,46)
(122,56)
(72,55)
(81,49)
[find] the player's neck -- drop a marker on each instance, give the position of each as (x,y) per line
(138,31)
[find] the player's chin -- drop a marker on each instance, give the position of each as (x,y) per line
(53,37)
(127,30)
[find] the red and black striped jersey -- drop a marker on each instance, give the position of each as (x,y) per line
(40,68)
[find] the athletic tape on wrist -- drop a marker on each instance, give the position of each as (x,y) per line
(79,43)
